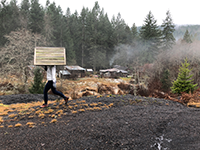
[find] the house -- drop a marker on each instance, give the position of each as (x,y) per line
(114,72)
(64,74)
(76,71)
(89,70)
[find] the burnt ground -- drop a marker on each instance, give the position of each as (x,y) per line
(136,123)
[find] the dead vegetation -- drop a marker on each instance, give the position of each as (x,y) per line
(102,86)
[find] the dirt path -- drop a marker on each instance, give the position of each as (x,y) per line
(131,123)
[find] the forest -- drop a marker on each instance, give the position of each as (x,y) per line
(92,40)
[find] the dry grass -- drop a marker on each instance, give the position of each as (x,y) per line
(10,126)
(68,87)
(18,125)
(12,115)
(33,111)
(53,120)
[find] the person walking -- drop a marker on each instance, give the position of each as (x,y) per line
(51,84)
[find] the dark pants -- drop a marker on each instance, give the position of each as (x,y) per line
(48,86)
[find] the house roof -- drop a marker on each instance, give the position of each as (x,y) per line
(74,68)
(65,72)
(90,70)
(114,70)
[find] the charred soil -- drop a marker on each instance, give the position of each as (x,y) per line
(107,122)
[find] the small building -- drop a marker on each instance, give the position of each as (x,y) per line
(64,74)
(89,70)
(76,71)
(114,72)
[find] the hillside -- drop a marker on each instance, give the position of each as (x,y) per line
(194,31)
(115,123)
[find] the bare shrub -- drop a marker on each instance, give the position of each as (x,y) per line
(18,53)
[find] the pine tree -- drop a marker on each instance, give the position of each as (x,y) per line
(119,26)
(184,82)
(36,20)
(25,13)
(134,32)
(168,29)
(96,52)
(9,19)
(83,23)
(151,37)
(107,43)
(38,84)
(75,35)
(68,39)
(187,37)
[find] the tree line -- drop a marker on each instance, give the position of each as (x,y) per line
(91,40)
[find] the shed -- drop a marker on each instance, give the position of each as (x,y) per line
(76,71)
(89,70)
(113,72)
(64,74)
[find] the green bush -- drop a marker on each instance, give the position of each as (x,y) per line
(37,86)
(184,82)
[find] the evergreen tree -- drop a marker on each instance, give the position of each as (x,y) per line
(187,37)
(9,19)
(53,24)
(128,35)
(15,13)
(58,26)
(75,31)
(48,30)
(25,13)
(119,27)
(36,20)
(168,29)
(68,39)
(37,86)
(83,23)
(95,50)
(184,82)
(106,41)
(134,32)
(151,37)
(4,21)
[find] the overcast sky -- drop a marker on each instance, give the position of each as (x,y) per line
(183,12)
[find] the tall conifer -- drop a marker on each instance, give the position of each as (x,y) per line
(151,37)
(167,33)
(187,37)
(36,20)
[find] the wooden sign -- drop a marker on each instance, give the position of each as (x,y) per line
(49,56)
